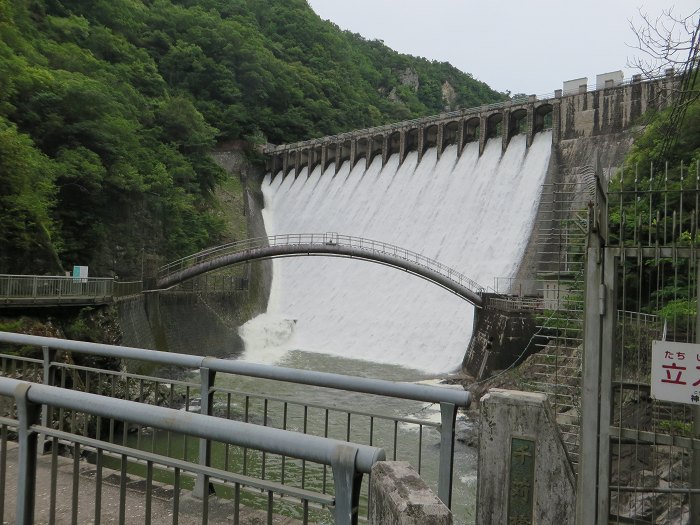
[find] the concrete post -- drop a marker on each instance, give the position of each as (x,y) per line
(398,496)
(460,137)
(338,156)
(324,157)
(297,164)
(530,124)
(402,146)
(421,143)
(353,152)
(556,121)
(311,161)
(505,130)
(385,150)
(482,134)
(524,475)
(285,163)
(440,138)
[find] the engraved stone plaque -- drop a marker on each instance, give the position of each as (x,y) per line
(521,481)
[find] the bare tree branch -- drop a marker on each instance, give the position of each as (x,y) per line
(670,41)
(667,41)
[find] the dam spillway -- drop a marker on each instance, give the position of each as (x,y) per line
(471,212)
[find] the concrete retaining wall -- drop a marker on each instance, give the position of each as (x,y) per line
(498,340)
(182,322)
(523,473)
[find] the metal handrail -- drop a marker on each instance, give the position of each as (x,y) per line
(274,440)
(320,239)
(449,400)
(347,459)
(41,286)
(424,393)
(55,289)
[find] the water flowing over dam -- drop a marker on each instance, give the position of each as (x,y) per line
(473,213)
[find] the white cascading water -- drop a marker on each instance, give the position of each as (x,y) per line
(472,213)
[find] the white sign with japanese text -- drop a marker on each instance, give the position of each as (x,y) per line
(675,372)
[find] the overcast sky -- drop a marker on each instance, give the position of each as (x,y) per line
(525,46)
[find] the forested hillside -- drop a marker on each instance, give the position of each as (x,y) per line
(108,109)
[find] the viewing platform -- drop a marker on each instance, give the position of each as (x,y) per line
(52,290)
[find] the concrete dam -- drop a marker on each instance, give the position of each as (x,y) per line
(462,188)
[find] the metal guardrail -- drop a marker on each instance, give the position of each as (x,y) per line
(23,288)
(348,461)
(219,399)
(329,239)
(43,289)
(515,304)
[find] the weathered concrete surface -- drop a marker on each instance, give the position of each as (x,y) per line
(506,414)
(398,496)
(183,322)
(498,340)
(577,114)
(190,509)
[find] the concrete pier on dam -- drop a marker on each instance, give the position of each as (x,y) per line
(575,112)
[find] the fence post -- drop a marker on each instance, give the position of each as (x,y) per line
(49,376)
(347,482)
(608,329)
(207,378)
(695,469)
(448,416)
(27,415)
(586,493)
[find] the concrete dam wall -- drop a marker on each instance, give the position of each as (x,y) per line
(455,182)
(352,181)
(577,115)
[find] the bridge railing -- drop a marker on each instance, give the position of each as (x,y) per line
(305,401)
(348,461)
(54,287)
(321,239)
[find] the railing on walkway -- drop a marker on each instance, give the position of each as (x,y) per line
(22,290)
(388,430)
(514,304)
(329,239)
(348,461)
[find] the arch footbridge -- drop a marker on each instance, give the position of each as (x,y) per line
(321,244)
